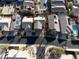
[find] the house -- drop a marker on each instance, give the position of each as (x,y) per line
(17,22)
(28,4)
(41,6)
(18,55)
(59,0)
(67,26)
(63,23)
(56,6)
(27,23)
(20,51)
(5,23)
(39,22)
(19,3)
(76,2)
(7,10)
(64,56)
(75,10)
(54,22)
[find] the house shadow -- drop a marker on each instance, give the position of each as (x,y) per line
(31,39)
(50,36)
(75,42)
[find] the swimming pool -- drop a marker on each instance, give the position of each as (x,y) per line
(75,30)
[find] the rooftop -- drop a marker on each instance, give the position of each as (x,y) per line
(26,19)
(39,18)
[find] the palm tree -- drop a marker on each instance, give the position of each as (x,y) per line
(70,5)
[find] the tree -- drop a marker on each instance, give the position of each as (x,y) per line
(57,51)
(1,35)
(5,48)
(70,13)
(70,5)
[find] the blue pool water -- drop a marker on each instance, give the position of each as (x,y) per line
(75,30)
